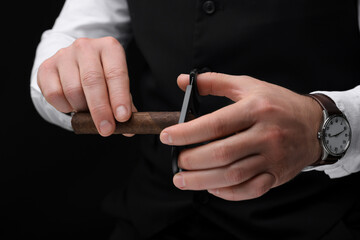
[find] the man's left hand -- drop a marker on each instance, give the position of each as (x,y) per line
(262,140)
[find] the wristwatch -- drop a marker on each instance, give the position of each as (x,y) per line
(335,131)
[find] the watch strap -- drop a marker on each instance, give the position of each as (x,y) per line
(326,103)
(328,160)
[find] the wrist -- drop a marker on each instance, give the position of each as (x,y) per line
(335,132)
(315,115)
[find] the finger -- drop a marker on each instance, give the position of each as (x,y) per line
(223,122)
(117,79)
(71,85)
(250,189)
(50,86)
(227,176)
(218,84)
(95,90)
(221,152)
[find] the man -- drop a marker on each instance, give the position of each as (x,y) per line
(260,134)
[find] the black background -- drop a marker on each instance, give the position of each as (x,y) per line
(52,182)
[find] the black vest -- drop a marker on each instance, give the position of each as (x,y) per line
(303,45)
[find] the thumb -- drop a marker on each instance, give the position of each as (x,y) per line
(219,84)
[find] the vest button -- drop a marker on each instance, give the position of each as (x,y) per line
(209,7)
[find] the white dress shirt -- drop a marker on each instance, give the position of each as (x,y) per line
(100,18)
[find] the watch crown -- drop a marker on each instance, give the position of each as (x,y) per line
(319,135)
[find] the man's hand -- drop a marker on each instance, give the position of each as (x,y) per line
(261,141)
(90,74)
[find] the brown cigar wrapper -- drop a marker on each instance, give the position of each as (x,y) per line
(139,123)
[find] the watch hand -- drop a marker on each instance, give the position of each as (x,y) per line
(337,134)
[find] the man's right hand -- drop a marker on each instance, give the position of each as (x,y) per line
(90,74)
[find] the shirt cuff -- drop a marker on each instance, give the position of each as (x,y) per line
(48,112)
(349,104)
(50,44)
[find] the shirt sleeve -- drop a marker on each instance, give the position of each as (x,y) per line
(349,103)
(78,18)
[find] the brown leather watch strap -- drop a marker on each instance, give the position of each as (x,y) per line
(326,103)
(329,105)
(329,160)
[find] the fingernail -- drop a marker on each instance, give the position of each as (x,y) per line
(166,138)
(121,113)
(179,181)
(105,127)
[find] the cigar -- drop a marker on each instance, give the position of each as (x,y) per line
(139,123)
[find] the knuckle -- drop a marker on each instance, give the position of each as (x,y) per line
(217,126)
(46,67)
(111,41)
(53,95)
(61,53)
(258,190)
(275,133)
(115,73)
(81,43)
(234,175)
(184,161)
(213,75)
(113,44)
(91,78)
(276,165)
(264,106)
(119,96)
(71,92)
(247,78)
(99,109)
(254,81)
(221,153)
(275,138)
(279,172)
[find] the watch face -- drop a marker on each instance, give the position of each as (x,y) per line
(337,135)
